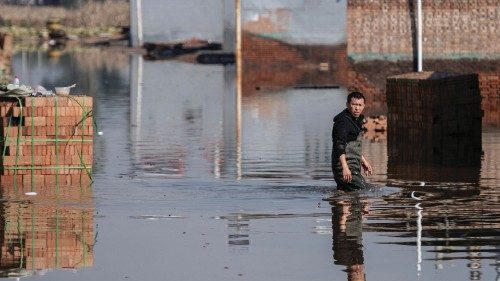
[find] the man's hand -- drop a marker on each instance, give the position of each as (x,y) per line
(346,174)
(367,167)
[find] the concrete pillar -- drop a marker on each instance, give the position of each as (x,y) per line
(434,126)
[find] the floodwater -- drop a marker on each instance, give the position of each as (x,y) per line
(192,183)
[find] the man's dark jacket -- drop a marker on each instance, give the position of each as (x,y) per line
(346,128)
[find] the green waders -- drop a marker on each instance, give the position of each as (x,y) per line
(353,157)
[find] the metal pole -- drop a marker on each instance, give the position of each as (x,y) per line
(238,89)
(238,38)
(136,23)
(419,34)
(139,23)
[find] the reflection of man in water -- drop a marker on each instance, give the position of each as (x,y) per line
(347,158)
(347,237)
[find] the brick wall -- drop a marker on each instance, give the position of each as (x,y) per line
(386,28)
(271,64)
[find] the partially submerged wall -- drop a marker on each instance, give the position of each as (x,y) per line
(270,64)
(293,43)
(434,125)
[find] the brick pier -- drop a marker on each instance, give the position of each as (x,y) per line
(434,126)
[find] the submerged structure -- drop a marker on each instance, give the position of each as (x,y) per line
(434,126)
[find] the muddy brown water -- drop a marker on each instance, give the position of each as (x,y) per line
(189,186)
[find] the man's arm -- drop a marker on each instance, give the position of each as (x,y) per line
(346,172)
(339,137)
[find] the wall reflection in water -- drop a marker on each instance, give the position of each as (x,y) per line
(191,124)
(183,123)
(50,230)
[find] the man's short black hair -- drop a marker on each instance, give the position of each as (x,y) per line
(355,95)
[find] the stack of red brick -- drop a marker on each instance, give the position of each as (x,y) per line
(46,140)
(490,92)
(434,118)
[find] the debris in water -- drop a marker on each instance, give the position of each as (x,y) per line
(155,217)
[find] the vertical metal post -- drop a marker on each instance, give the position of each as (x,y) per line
(239,70)
(136,32)
(238,40)
(419,34)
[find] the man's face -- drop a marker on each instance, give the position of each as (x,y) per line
(356,106)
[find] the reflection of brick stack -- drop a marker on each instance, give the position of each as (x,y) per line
(434,120)
(55,234)
(47,140)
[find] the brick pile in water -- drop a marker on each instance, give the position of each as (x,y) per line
(490,92)
(434,120)
(46,141)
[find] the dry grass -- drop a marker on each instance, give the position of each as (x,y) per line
(104,14)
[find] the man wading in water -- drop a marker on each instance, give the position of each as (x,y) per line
(347,159)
